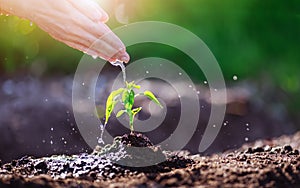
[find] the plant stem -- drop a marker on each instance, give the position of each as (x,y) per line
(131,124)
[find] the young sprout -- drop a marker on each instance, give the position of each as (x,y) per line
(126,96)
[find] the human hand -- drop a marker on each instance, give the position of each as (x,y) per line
(77,23)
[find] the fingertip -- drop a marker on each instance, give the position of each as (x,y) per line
(124,57)
(104,18)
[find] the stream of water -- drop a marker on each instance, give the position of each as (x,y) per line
(102,127)
(122,66)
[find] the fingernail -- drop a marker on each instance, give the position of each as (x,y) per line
(104,17)
(124,57)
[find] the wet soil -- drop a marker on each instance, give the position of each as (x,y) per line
(264,163)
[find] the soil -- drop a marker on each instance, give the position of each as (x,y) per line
(264,163)
(26,101)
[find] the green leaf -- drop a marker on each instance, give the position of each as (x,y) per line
(120,113)
(152,97)
(131,85)
(111,102)
(136,86)
(128,99)
(109,110)
(136,110)
(125,96)
(131,98)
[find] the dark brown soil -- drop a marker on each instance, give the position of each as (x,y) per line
(265,163)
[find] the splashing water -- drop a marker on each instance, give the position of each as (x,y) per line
(100,140)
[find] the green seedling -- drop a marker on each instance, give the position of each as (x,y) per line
(126,97)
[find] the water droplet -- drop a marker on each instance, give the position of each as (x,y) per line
(205,82)
(180,73)
(31,24)
(190,86)
(247,129)
(214,126)
(94,56)
(83,83)
(224,123)
(247,124)
(62,138)
(100,141)
(246,139)
(234,77)
(43,141)
(51,142)
(147,72)
(52,129)
(198,92)
(216,90)
(179,96)
(65,142)
(46,100)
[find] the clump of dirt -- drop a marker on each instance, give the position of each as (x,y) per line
(135,140)
(133,151)
(265,163)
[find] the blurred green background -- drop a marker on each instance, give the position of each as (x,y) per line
(253,39)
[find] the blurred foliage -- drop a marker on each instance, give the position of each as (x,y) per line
(24,46)
(249,38)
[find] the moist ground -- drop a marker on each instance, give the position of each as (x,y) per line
(265,163)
